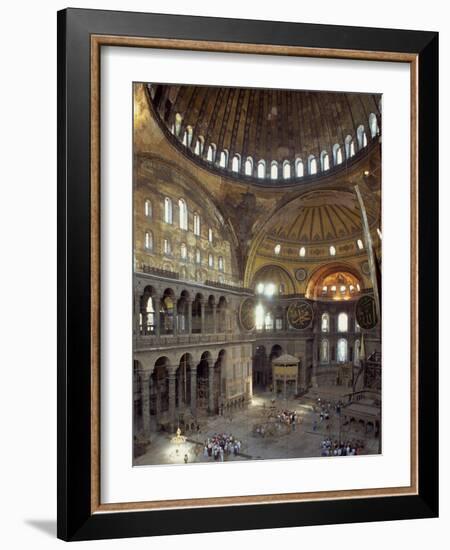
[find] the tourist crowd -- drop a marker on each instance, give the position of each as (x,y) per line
(220,445)
(341,448)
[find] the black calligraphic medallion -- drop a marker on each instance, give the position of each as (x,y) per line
(366,313)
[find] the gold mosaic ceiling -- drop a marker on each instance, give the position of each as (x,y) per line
(322,216)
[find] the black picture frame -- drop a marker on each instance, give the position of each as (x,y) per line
(75,518)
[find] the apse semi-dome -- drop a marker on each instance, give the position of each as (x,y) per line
(269,136)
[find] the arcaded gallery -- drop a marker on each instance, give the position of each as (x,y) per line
(257,274)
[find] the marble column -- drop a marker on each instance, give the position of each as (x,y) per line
(172,377)
(211,388)
(145,386)
(194,391)
(180,386)
(202,318)
(214,318)
(157,316)
(189,318)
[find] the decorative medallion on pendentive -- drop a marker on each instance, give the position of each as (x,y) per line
(247,314)
(365,268)
(300,274)
(366,313)
(300,314)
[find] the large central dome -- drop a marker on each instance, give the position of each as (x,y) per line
(271,136)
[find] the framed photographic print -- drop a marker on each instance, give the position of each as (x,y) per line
(247,318)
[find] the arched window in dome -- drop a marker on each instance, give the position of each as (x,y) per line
(187,136)
(277,249)
(361,136)
(380,235)
(183,213)
(148,240)
(324,161)
(148,209)
(325,323)
(302,252)
(312,164)
(349,146)
(167,210)
(332,251)
(261,172)
(342,322)
(211,154)
(299,169)
(236,163)
(199,144)
(324,351)
(337,154)
(248,167)
(178,121)
(360,244)
(274,170)
(342,350)
(197,224)
(286,170)
(223,159)
(373,125)
(183,251)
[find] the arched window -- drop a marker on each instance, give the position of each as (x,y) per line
(356,353)
(150,316)
(337,154)
(274,170)
(332,251)
(210,235)
(312,164)
(221,264)
(269,289)
(183,214)
(259,317)
(325,324)
(178,120)
(360,244)
(286,170)
(277,249)
(149,240)
(196,224)
(342,352)
(342,322)
(248,167)
(324,351)
(198,256)
(167,210)
(324,161)
(211,154)
(349,146)
(373,125)
(167,246)
(187,136)
(299,169)
(302,252)
(223,160)
(261,169)
(236,163)
(260,288)
(183,251)
(361,136)
(148,210)
(380,235)
(268,321)
(199,145)
(210,260)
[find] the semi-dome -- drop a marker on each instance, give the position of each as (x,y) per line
(272,137)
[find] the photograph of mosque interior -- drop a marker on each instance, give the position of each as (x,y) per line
(257,274)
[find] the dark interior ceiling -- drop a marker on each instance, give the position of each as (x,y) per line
(273,125)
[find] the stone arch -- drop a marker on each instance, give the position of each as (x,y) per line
(276,274)
(319,274)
